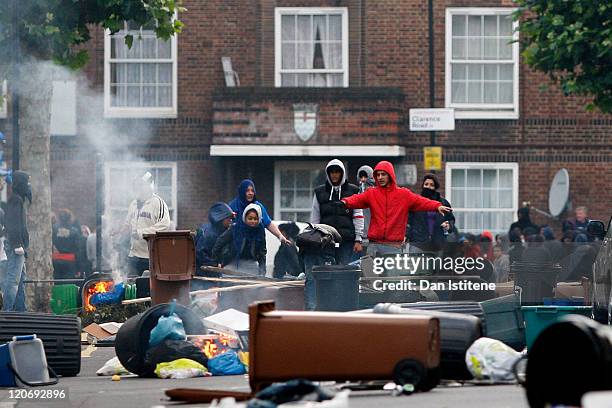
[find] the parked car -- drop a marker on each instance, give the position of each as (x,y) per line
(602,277)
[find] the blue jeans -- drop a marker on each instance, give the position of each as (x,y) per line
(13,291)
(310,289)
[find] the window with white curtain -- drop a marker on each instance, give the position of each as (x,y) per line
(140,81)
(481,63)
(311,47)
(484,196)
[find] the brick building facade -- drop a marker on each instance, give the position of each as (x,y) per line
(514,128)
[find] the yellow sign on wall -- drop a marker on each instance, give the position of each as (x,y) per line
(432,157)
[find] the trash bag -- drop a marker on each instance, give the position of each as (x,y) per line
(227,363)
(170,350)
(113,367)
(168,327)
(491,360)
(107,298)
(181,368)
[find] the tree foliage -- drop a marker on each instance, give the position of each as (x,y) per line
(51,29)
(571,40)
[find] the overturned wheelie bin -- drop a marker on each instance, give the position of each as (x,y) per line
(329,346)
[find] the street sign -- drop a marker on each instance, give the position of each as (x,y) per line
(432,119)
(432,156)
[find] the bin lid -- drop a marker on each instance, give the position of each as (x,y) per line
(336,274)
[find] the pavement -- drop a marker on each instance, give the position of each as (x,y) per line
(90,390)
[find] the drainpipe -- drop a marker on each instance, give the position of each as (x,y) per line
(432,86)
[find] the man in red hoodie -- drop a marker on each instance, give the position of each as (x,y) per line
(389,206)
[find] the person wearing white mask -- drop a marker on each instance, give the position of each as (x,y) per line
(147,214)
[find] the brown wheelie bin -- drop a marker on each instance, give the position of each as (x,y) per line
(329,346)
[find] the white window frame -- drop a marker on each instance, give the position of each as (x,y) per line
(140,111)
(481,111)
(450,166)
(280,11)
(291,165)
(173,205)
(4,107)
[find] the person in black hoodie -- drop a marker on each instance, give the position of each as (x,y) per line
(428,230)
(287,260)
(524,223)
(220,217)
(17,243)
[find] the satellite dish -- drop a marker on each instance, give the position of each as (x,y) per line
(558,196)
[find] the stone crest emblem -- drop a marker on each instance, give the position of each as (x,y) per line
(305,120)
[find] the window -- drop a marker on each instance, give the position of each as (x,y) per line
(311,47)
(118,178)
(294,184)
(481,63)
(4,101)
(140,81)
(484,196)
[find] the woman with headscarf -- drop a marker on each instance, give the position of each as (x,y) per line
(246,195)
(244,243)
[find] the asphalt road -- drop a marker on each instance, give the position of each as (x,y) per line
(89,390)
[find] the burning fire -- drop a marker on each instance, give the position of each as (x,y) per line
(213,344)
(99,287)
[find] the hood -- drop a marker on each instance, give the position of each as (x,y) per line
(21,181)
(242,188)
(370,172)
(388,168)
(249,208)
(218,212)
(335,162)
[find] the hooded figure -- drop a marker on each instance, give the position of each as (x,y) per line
(348,223)
(147,214)
(369,173)
(17,243)
(524,223)
(244,242)
(425,230)
(247,195)
(219,219)
(389,206)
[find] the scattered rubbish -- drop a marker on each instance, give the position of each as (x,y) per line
(214,344)
(226,364)
(107,298)
(203,396)
(491,360)
(230,321)
(290,391)
(112,367)
(116,377)
(181,368)
(102,334)
(168,327)
(228,402)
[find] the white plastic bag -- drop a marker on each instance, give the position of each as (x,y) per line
(491,360)
(113,367)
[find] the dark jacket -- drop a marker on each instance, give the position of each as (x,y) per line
(208,233)
(417,232)
(15,220)
(252,250)
(338,217)
(287,261)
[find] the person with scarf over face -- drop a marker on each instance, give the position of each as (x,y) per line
(17,243)
(524,223)
(245,242)
(147,214)
(348,223)
(220,217)
(428,231)
(247,195)
(389,206)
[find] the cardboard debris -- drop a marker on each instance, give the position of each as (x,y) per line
(230,321)
(97,333)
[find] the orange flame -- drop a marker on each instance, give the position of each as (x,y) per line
(99,287)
